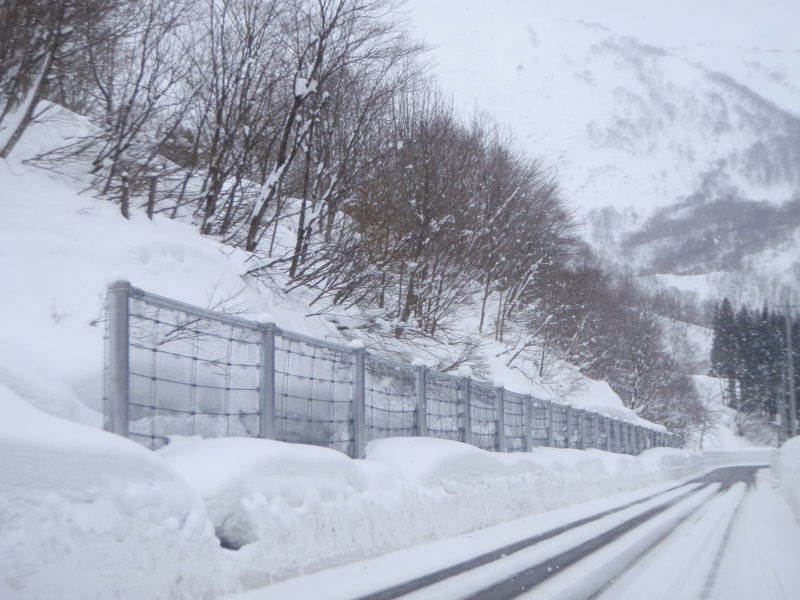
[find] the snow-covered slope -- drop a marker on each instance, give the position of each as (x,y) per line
(84,513)
(746,251)
(622,100)
(59,249)
(640,106)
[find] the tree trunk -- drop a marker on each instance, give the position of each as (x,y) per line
(14,132)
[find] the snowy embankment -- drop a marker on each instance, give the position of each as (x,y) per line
(84,513)
(786,469)
(87,514)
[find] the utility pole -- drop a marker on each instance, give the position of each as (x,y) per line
(790,369)
(783,420)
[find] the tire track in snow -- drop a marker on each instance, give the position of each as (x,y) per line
(527,580)
(711,579)
(425,581)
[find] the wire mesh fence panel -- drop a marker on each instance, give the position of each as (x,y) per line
(587,429)
(313,393)
(560,426)
(590,431)
(483,416)
(572,427)
(445,410)
(390,398)
(514,421)
(190,375)
(176,369)
(538,410)
(613,438)
(602,433)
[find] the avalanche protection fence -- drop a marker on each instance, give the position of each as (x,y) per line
(177,369)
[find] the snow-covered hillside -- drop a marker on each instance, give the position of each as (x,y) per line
(61,247)
(85,513)
(622,99)
(639,106)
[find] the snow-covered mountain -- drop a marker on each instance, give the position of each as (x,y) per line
(644,108)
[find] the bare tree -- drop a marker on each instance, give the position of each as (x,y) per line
(323,39)
(34,36)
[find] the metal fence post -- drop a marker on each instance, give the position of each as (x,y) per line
(118,386)
(500,407)
(421,408)
(359,411)
(527,417)
(623,438)
(466,394)
(596,430)
(582,428)
(551,438)
(615,442)
(266,396)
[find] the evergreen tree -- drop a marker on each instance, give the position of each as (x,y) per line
(724,349)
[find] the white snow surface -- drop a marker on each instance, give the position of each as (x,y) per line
(675,88)
(291,508)
(693,551)
(88,514)
(84,513)
(786,469)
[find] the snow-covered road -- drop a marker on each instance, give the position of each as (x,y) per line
(725,535)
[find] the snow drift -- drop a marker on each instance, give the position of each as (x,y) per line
(786,469)
(87,514)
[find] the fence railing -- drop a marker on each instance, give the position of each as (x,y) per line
(177,369)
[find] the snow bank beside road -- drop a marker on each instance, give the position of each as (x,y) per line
(87,514)
(786,469)
(84,513)
(292,508)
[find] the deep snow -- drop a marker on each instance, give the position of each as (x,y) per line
(84,513)
(786,468)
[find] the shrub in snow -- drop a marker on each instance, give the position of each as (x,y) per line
(87,514)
